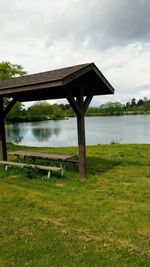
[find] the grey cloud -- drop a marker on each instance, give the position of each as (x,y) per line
(143,86)
(96,23)
(129,20)
(109,22)
(102,24)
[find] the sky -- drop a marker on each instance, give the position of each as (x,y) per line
(43,35)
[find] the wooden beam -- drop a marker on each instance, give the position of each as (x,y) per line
(81,137)
(73,103)
(3,151)
(87,102)
(9,107)
(30,87)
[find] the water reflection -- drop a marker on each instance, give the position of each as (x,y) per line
(14,134)
(44,134)
(99,130)
(56,131)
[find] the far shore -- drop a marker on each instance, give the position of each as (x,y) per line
(86,115)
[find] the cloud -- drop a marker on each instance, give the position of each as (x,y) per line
(115,34)
(103,24)
(98,23)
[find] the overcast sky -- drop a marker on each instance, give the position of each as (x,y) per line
(114,34)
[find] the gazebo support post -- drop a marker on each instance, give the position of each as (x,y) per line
(81,138)
(80,106)
(3,114)
(3,150)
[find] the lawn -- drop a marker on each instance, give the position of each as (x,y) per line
(104,221)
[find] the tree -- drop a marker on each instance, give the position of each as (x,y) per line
(44,111)
(140,102)
(127,105)
(112,108)
(133,102)
(57,112)
(39,111)
(16,113)
(9,70)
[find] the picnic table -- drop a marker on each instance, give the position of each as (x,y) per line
(23,155)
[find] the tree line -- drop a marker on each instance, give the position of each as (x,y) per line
(39,111)
(43,110)
(141,106)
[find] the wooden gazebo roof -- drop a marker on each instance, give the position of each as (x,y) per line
(56,83)
(78,84)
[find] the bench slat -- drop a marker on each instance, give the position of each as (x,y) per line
(21,165)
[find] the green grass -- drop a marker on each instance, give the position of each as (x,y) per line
(104,221)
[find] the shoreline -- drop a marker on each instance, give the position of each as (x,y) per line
(86,115)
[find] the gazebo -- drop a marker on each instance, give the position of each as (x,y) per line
(78,84)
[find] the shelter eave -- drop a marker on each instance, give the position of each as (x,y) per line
(29,88)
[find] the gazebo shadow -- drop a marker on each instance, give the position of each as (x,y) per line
(96,165)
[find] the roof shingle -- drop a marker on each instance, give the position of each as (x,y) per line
(48,76)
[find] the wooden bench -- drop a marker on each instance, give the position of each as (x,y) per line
(49,169)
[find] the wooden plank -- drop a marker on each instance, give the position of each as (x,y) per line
(31,87)
(42,155)
(40,167)
(72,102)
(87,102)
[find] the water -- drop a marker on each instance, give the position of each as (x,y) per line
(99,130)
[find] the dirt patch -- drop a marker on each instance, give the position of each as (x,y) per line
(59,184)
(12,177)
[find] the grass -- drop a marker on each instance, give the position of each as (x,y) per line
(104,221)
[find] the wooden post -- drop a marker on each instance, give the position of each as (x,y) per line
(79,106)
(3,152)
(81,137)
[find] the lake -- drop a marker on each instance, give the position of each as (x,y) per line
(133,129)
